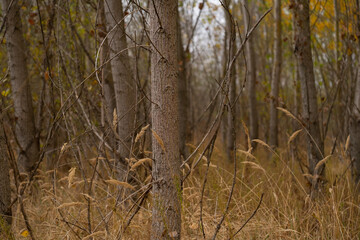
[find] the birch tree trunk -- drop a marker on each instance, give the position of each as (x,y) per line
(166,216)
(310,116)
(275,81)
(251,75)
(355,123)
(25,130)
(124,84)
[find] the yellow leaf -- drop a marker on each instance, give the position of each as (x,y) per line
(5,92)
(25,233)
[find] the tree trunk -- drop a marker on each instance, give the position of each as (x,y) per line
(308,90)
(355,133)
(124,84)
(251,76)
(5,191)
(166,216)
(106,77)
(21,94)
(355,123)
(231,113)
(337,38)
(275,80)
(184,122)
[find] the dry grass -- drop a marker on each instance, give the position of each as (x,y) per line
(57,211)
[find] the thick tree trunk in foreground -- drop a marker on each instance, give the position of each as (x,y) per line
(21,94)
(124,84)
(308,90)
(275,81)
(166,216)
(355,133)
(251,76)
(355,124)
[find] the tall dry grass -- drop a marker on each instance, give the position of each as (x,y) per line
(64,209)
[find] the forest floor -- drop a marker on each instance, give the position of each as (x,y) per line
(63,209)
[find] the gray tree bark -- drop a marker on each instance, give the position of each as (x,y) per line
(5,191)
(25,131)
(251,76)
(124,84)
(315,147)
(231,113)
(107,81)
(355,133)
(166,216)
(355,124)
(275,80)
(184,122)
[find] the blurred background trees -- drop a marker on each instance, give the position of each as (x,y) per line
(127,103)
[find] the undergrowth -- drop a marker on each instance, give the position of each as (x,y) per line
(60,206)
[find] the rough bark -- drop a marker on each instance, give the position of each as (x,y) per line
(25,130)
(355,124)
(355,133)
(231,113)
(341,125)
(106,77)
(166,216)
(275,79)
(184,122)
(124,84)
(251,76)
(5,191)
(310,116)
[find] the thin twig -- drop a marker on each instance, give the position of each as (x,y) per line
(252,215)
